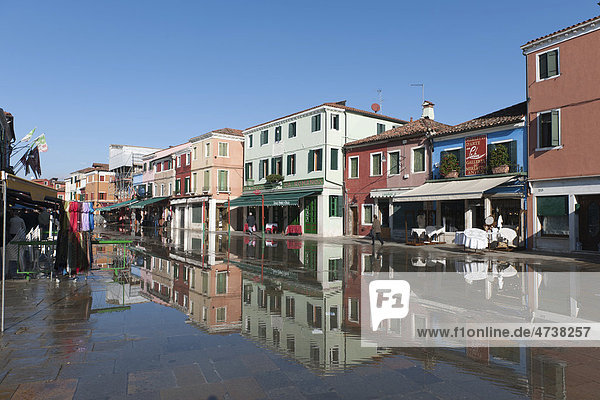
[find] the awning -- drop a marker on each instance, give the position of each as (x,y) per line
(387,193)
(271,199)
(143,203)
(118,205)
(452,190)
(36,191)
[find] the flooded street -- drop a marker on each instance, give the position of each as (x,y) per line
(209,316)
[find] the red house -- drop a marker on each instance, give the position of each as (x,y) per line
(379,166)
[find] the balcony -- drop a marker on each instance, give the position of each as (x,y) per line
(512,169)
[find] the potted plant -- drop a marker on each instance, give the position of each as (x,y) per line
(499,160)
(274,179)
(449,166)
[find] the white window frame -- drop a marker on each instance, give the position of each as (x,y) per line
(350,167)
(207,149)
(412,160)
(350,309)
(170,188)
(539,126)
(162,189)
(537,64)
(219,149)
(217,282)
(194,184)
(178,161)
(187,158)
(224,314)
(371,163)
(195,153)
(250,142)
(227,189)
(333,116)
(389,163)
(362,214)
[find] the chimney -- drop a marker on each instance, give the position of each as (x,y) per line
(428,110)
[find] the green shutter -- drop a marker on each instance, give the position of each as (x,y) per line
(334,159)
(273,165)
(311,160)
(177,185)
(331,206)
(555,128)
(340,206)
(289,165)
(354,167)
(543,60)
(394,163)
(552,63)
(319,154)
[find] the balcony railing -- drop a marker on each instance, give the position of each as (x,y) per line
(513,169)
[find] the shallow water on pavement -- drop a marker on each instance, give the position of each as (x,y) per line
(195,316)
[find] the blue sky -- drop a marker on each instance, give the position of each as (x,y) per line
(152,73)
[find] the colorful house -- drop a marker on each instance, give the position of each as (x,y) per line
(382,166)
(563,121)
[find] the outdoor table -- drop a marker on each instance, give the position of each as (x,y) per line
(417,231)
(271,228)
(293,230)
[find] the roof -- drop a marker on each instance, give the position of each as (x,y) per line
(229,131)
(562,30)
(413,128)
(94,167)
(509,115)
(342,106)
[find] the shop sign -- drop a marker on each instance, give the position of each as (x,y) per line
(476,155)
(304,182)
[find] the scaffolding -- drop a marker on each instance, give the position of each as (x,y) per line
(126,161)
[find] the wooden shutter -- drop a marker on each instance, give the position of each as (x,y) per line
(340,206)
(334,159)
(354,167)
(543,60)
(393,167)
(311,160)
(289,165)
(514,159)
(555,128)
(319,154)
(552,62)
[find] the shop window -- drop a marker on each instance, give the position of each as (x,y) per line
(552,212)
(454,214)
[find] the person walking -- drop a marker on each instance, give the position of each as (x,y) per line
(376,230)
(251,221)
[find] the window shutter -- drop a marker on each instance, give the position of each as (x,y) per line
(555,128)
(340,206)
(313,124)
(273,166)
(319,159)
(311,161)
(334,159)
(393,167)
(543,60)
(552,61)
(512,151)
(289,165)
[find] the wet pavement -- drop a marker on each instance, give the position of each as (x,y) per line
(197,316)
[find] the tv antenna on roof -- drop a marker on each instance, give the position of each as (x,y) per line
(380,98)
(422,90)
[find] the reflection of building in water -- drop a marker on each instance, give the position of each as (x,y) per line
(104,255)
(124,293)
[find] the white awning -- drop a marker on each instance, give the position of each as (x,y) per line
(452,190)
(386,193)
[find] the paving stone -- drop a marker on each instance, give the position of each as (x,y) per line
(244,389)
(212,391)
(229,369)
(7,391)
(419,375)
(59,389)
(272,380)
(186,375)
(288,393)
(147,381)
(87,369)
(258,363)
(101,387)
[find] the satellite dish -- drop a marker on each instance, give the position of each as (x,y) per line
(375,107)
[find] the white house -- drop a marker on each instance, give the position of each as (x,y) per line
(305,149)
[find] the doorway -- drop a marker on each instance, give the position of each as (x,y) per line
(310,215)
(589,222)
(354,220)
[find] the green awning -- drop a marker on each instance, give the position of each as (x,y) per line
(143,203)
(271,199)
(118,205)
(552,205)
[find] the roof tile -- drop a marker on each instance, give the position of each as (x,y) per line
(419,126)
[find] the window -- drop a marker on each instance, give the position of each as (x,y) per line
(170,188)
(316,123)
(278,134)
(194,153)
(418,160)
(166,165)
(335,206)
(334,159)
(277,165)
(548,64)
(178,161)
(353,167)
(290,307)
(291,164)
(335,269)
(315,160)
(221,314)
(250,140)
(353,309)
(552,212)
(380,128)
(367,214)
(177,186)
(162,190)
(101,196)
(145,167)
(549,129)
(376,164)
(248,170)
(206,185)
(264,137)
(460,157)
(394,163)
(511,148)
(292,129)
(264,169)
(186,184)
(335,121)
(194,182)
(223,181)
(223,149)
(221,282)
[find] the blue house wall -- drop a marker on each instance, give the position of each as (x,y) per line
(455,141)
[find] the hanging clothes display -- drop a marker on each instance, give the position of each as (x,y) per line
(74,252)
(84,217)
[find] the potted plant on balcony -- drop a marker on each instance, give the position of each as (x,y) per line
(499,160)
(274,179)
(449,166)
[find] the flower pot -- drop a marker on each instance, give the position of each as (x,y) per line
(451,174)
(501,169)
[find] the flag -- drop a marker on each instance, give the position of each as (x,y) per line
(40,142)
(28,136)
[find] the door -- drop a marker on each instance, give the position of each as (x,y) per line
(293,215)
(589,222)
(354,220)
(223,219)
(310,215)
